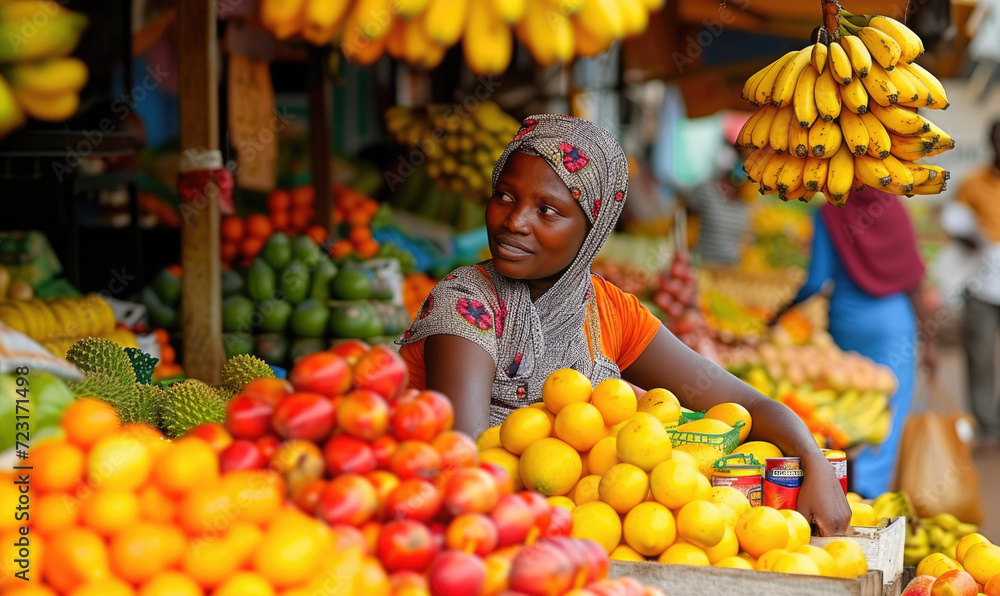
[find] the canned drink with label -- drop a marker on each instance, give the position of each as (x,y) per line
(838,459)
(746,479)
(782,481)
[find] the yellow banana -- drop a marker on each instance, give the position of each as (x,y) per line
(798,139)
(828,96)
(871,171)
(855,132)
(910,45)
(510,10)
(936,171)
(933,85)
(800,193)
(445,20)
(410,8)
(941,138)
(750,84)
(769,178)
(778,133)
(818,58)
(587,44)
(653,5)
(11,114)
(814,173)
(923,94)
(938,149)
(395,46)
(321,20)
(919,172)
(359,49)
(804,99)
(902,178)
(602,17)
(487,43)
(419,49)
(825,139)
(840,176)
(50,108)
(883,48)
(857,184)
(762,129)
(931,187)
(908,152)
(908,92)
(900,120)
(911,144)
(38,29)
(878,136)
(784,86)
(282,17)
(565,7)
(635,16)
(757,161)
(744,138)
(840,64)
(790,176)
(854,96)
(860,57)
(548,36)
(49,77)
(881,89)
(762,93)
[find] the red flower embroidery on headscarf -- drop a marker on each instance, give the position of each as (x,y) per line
(501,315)
(516,364)
(526,127)
(597,207)
(475,313)
(407,334)
(619,196)
(573,158)
(425,308)
(450,277)
(575,192)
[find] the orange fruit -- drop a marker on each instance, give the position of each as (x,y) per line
(643,442)
(303,195)
(244,538)
(292,549)
(279,200)
(734,563)
(982,561)
(58,465)
(10,550)
(674,483)
(299,218)
(965,543)
(731,413)
(615,399)
(522,427)
(29,590)
(54,512)
(359,234)
(87,420)
(586,490)
(232,228)
(258,493)
(729,546)
(799,530)
(110,586)
(208,561)
(108,510)
(280,220)
(563,387)
(143,549)
(701,523)
(171,583)
(684,554)
(367,249)
(119,461)
(761,529)
(827,566)
(251,245)
(550,466)
(602,456)
(74,557)
(147,435)
(580,425)
(188,463)
(204,507)
(9,498)
(661,404)
(850,559)
(155,505)
(649,528)
(623,487)
(228,251)
(797,563)
(245,583)
(258,226)
(341,248)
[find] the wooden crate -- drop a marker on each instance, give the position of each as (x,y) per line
(883,547)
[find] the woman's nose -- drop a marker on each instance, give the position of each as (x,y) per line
(517,220)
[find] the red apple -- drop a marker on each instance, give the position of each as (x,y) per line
(213,433)
(598,563)
(307,495)
(513,518)
(270,390)
(401,580)
(384,447)
(414,420)
(345,537)
(347,499)
(414,459)
(472,533)
(304,415)
(299,461)
(954,583)
(470,490)
(560,523)
(404,544)
(919,586)
(347,455)
(268,444)
(381,370)
(351,350)
(455,573)
(414,498)
(542,569)
(442,406)
(363,414)
(457,450)
(249,416)
(438,532)
(384,483)
(321,372)
(241,455)
(500,476)
(540,508)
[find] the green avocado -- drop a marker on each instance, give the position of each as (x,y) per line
(260,281)
(294,281)
(235,344)
(274,315)
(237,314)
(357,319)
(309,319)
(305,346)
(277,251)
(322,275)
(167,287)
(272,348)
(351,283)
(232,283)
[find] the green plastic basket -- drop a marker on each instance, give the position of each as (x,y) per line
(690,417)
(737,459)
(724,442)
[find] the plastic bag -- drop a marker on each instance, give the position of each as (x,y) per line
(935,464)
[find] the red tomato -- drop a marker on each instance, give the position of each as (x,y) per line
(405,544)
(248,416)
(347,455)
(321,372)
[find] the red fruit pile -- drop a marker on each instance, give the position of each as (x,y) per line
(677,295)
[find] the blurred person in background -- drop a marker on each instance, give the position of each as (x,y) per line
(722,216)
(868,250)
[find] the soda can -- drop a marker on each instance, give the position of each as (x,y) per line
(746,479)
(838,459)
(782,481)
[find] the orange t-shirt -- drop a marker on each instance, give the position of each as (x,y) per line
(627,327)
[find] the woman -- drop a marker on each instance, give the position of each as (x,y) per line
(868,250)
(490,334)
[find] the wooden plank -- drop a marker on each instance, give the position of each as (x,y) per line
(883,548)
(320,93)
(201,294)
(686,580)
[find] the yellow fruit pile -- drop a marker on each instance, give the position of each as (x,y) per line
(421,31)
(119,510)
(460,150)
(842,114)
(38,78)
(975,554)
(59,322)
(940,533)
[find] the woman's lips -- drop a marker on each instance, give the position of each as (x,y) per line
(509,252)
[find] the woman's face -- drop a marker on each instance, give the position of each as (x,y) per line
(535,226)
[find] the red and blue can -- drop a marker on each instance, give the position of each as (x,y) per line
(782,481)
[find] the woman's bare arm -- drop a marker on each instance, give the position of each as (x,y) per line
(464,372)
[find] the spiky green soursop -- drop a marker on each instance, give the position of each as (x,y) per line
(95,355)
(190,403)
(144,406)
(142,364)
(240,370)
(103,386)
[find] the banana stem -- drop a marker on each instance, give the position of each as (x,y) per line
(831,17)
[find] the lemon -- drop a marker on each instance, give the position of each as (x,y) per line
(563,387)
(598,522)
(660,403)
(541,406)
(674,483)
(649,528)
(681,456)
(982,561)
(827,566)
(795,563)
(767,560)
(849,557)
(614,430)
(704,455)
(965,543)
(728,515)
(643,442)
(684,554)
(928,562)
(759,449)
(602,456)
(489,438)
(550,466)
(624,552)
(760,529)
(798,529)
(701,524)
(729,546)
(863,514)
(730,414)
(623,487)
(748,558)
(704,489)
(580,425)
(734,563)
(523,427)
(706,426)
(727,495)
(507,460)
(586,491)
(615,399)
(564,502)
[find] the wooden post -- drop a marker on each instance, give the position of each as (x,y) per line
(320,94)
(201,295)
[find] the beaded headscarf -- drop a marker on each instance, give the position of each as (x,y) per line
(527,340)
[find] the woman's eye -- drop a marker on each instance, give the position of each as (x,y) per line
(504,197)
(546,210)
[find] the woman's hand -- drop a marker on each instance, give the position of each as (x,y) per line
(822,501)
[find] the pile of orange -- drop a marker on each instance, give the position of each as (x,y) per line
(293,211)
(355,210)
(167,367)
(118,510)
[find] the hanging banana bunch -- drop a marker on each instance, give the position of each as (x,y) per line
(841,114)
(553,31)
